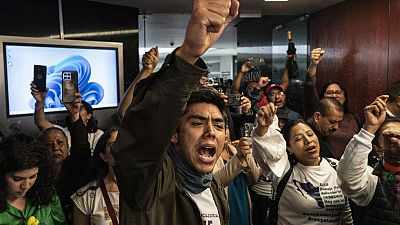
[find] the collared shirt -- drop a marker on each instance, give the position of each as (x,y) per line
(48,214)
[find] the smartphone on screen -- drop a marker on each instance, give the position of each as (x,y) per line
(39,77)
(69,86)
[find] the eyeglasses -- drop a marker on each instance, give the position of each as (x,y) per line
(331,92)
(277,94)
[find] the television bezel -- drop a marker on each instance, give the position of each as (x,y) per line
(57,43)
(5,118)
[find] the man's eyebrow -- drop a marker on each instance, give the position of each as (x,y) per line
(200,117)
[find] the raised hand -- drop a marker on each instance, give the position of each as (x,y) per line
(375,114)
(243,149)
(150,59)
(38,96)
(263,81)
(245,105)
(317,55)
(265,117)
(246,66)
(207,22)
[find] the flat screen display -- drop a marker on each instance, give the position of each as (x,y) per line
(97,69)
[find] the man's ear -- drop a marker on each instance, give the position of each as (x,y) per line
(89,116)
(174,138)
(316,117)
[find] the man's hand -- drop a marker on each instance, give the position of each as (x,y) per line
(243,149)
(246,66)
(38,96)
(375,114)
(317,55)
(207,22)
(245,105)
(262,82)
(265,117)
(74,107)
(150,59)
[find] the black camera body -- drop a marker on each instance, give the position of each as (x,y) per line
(234,100)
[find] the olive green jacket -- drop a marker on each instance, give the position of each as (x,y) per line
(151,191)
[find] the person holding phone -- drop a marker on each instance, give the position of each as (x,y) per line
(85,112)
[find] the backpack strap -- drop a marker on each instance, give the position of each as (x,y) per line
(331,163)
(110,208)
(273,216)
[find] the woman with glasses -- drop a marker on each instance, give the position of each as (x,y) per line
(350,124)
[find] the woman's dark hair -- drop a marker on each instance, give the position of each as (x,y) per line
(97,169)
(329,83)
(91,125)
(286,130)
(21,152)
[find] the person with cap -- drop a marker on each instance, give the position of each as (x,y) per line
(276,95)
(376,188)
(393,103)
(85,112)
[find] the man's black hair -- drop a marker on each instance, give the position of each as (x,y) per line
(208,95)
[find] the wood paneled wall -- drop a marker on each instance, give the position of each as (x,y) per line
(362,40)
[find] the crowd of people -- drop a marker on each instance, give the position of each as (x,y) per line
(191,152)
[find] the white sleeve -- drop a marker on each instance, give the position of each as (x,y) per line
(84,200)
(355,177)
(270,151)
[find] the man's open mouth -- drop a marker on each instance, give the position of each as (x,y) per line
(206,153)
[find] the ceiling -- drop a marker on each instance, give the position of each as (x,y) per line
(166,20)
(260,7)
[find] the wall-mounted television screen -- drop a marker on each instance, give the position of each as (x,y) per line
(99,66)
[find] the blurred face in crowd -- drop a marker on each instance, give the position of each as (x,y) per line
(277,96)
(334,91)
(389,139)
(304,144)
(200,137)
(57,144)
(19,182)
(106,155)
(327,125)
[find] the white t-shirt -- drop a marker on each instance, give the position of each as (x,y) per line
(92,203)
(208,210)
(312,196)
(93,138)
